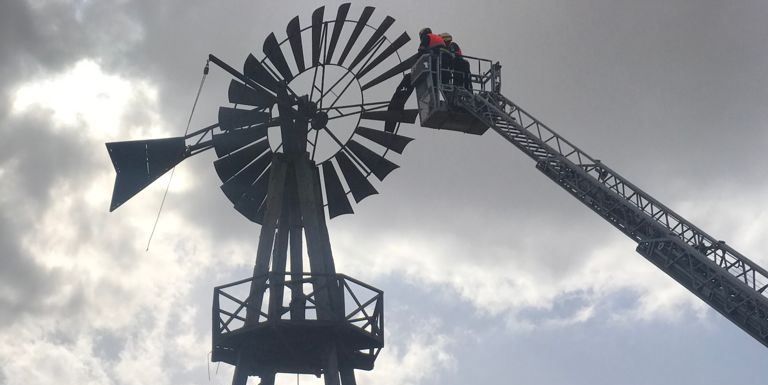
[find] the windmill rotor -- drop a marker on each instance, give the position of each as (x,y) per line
(322,77)
(329,79)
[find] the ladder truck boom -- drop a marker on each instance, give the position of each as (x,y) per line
(722,277)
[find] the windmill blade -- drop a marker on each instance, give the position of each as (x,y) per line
(402,116)
(239,184)
(292,131)
(231,141)
(240,93)
(387,52)
(249,206)
(317,31)
(231,164)
(379,165)
(341,16)
(380,31)
(338,204)
(231,118)
(294,36)
(405,65)
(399,98)
(357,182)
(259,217)
(140,162)
(389,140)
(251,203)
(367,12)
(275,55)
(256,71)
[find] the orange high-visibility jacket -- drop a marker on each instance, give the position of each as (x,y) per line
(430,41)
(435,41)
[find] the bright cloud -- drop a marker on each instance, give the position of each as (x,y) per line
(105,283)
(87,98)
(514,284)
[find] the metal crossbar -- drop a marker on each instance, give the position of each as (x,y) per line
(731,283)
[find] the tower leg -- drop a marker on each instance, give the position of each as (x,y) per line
(277,278)
(318,244)
(240,377)
(273,210)
(268,379)
(348,376)
(331,376)
(297,262)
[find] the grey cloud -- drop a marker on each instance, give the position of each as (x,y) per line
(33,160)
(44,38)
(17,28)
(35,42)
(23,282)
(40,157)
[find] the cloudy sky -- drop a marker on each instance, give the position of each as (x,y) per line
(492,274)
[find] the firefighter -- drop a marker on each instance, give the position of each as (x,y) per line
(459,65)
(432,43)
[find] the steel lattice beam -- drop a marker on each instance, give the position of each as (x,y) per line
(723,278)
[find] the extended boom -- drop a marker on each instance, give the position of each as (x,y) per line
(723,278)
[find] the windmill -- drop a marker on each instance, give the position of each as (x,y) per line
(309,125)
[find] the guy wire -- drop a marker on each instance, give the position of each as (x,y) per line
(186,131)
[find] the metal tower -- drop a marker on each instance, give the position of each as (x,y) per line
(296,118)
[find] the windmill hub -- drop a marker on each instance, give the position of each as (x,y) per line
(320,120)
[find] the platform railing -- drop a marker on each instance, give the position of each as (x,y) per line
(484,75)
(352,303)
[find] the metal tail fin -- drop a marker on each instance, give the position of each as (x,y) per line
(140,162)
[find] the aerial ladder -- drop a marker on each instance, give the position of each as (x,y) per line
(722,277)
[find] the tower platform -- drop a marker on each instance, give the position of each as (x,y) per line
(349,320)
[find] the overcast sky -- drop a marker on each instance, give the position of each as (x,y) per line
(492,273)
